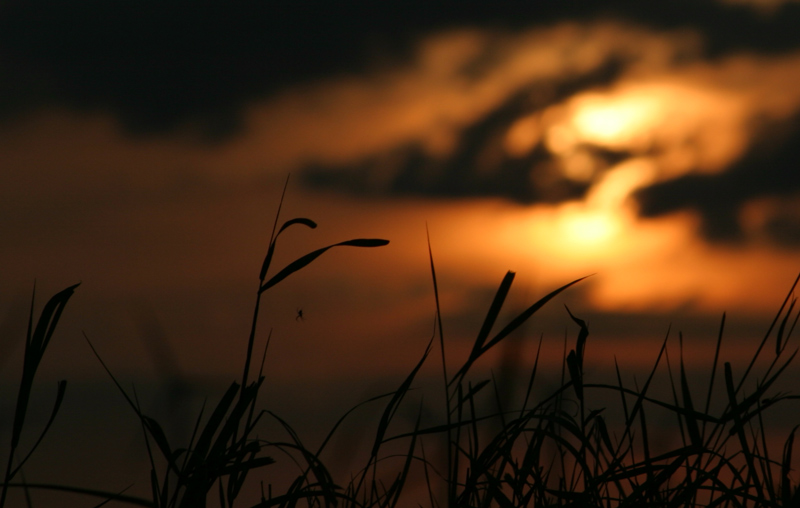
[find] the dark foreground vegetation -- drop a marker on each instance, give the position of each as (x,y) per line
(551,450)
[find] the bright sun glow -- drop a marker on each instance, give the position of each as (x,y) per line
(599,220)
(617,120)
(589,227)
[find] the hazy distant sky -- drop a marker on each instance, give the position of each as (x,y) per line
(143,148)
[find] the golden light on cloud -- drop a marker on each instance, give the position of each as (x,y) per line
(616,123)
(603,217)
(685,125)
(696,115)
(618,183)
(669,115)
(654,265)
(523,136)
(587,228)
(431,99)
(578,165)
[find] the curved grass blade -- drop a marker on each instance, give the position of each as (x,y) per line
(271,251)
(152,426)
(113,496)
(532,377)
(103,503)
(219,448)
(62,388)
(299,220)
(786,467)
(691,421)
(214,421)
(782,328)
(397,488)
(265,265)
(580,346)
(602,430)
(49,318)
(573,365)
(766,335)
(530,311)
(34,351)
(344,416)
(744,407)
(438,323)
(36,341)
(311,256)
(394,403)
(154,488)
(471,392)
(739,427)
(486,327)
(717,350)
(160,438)
(324,479)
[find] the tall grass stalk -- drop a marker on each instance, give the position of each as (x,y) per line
(36,341)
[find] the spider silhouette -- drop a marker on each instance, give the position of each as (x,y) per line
(299,316)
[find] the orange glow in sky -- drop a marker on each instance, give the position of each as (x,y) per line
(616,122)
(649,152)
(588,229)
(670,112)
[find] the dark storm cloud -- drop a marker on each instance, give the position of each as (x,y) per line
(160,65)
(770,169)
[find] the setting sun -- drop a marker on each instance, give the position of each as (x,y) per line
(162,156)
(589,228)
(615,121)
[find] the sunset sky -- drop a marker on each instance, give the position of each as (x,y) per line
(144,147)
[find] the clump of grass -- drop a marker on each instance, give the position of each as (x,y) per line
(547,454)
(550,450)
(225,451)
(36,341)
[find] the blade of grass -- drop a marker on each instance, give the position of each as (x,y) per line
(786,467)
(782,328)
(138,501)
(766,335)
(271,244)
(738,426)
(575,374)
(691,422)
(36,343)
(304,261)
(714,368)
(533,376)
(530,311)
(398,486)
(62,387)
(488,323)
(394,403)
(438,322)
(274,238)
(200,452)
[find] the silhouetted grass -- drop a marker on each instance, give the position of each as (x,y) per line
(552,450)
